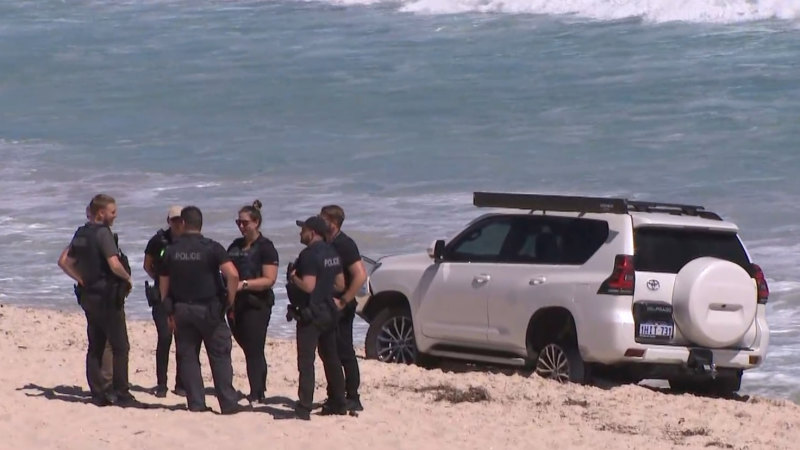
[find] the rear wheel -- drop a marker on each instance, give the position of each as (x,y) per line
(390,337)
(562,362)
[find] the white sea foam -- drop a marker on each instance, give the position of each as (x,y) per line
(658,11)
(653,11)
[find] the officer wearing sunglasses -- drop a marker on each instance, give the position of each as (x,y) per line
(256,260)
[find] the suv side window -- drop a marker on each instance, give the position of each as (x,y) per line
(481,243)
(554,240)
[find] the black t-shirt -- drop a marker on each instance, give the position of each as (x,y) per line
(320,260)
(192,265)
(156,248)
(348,252)
(250,262)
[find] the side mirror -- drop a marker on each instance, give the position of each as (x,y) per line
(437,250)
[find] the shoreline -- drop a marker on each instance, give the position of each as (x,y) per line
(44,382)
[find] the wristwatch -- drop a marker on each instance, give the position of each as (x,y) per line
(244,284)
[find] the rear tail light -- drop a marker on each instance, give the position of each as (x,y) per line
(622,278)
(761,283)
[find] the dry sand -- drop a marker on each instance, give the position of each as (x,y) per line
(44,404)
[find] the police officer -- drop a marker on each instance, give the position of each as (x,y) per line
(191,287)
(256,260)
(354,277)
(316,275)
(106,366)
(153,260)
(93,261)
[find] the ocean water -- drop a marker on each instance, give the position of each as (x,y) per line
(398,111)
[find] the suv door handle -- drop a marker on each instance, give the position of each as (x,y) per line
(482,278)
(537,281)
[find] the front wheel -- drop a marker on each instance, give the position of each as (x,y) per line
(390,337)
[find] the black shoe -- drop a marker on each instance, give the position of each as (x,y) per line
(160,391)
(200,409)
(125,399)
(329,410)
(255,401)
(181,392)
(102,400)
(354,404)
(302,414)
(232,410)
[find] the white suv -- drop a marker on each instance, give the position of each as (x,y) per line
(575,286)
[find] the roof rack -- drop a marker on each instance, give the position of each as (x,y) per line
(539,202)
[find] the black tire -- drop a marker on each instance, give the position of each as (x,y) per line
(561,361)
(390,337)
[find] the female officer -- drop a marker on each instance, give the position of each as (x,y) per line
(257,262)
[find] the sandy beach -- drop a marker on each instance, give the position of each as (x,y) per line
(44,403)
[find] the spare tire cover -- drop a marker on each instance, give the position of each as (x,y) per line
(714,302)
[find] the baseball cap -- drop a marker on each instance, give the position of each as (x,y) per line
(174,211)
(315,224)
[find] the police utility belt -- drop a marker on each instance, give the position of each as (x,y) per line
(154,297)
(322,312)
(201,301)
(109,286)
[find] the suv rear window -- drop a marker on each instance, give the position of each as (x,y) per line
(668,250)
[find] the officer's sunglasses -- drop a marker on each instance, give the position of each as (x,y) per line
(242,223)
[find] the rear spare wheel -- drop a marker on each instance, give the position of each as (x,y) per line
(714,302)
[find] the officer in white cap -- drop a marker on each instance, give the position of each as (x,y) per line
(153,265)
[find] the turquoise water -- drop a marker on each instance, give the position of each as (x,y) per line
(398,111)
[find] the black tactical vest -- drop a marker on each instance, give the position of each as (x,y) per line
(193,269)
(92,266)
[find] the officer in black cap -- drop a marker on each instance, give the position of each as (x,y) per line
(94,262)
(153,260)
(192,290)
(316,275)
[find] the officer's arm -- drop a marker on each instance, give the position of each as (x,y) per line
(359,276)
(232,279)
(266,281)
(306,283)
(149,266)
(67,264)
(108,247)
(116,267)
(338,282)
(163,286)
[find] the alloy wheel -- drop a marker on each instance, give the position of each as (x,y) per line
(553,364)
(395,342)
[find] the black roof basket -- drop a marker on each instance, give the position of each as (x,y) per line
(537,202)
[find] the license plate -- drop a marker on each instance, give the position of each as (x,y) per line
(655,330)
